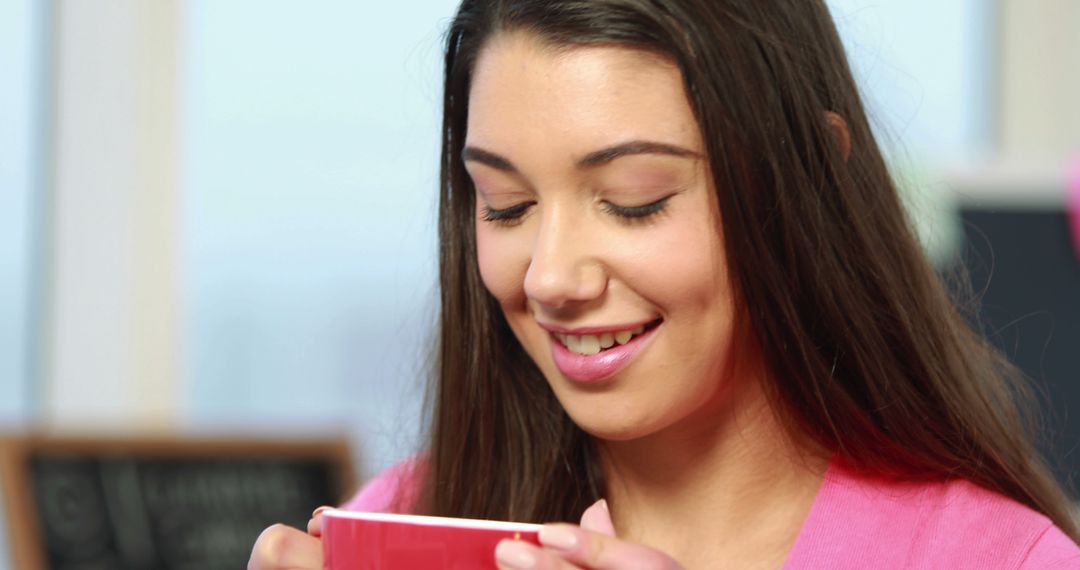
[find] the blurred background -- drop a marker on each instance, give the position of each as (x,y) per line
(218,217)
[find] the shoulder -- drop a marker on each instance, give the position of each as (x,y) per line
(395,490)
(979,527)
(1053,550)
(928,525)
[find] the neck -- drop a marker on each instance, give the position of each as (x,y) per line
(729,480)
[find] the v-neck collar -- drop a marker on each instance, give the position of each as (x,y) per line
(853,511)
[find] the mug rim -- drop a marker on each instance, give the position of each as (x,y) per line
(425,520)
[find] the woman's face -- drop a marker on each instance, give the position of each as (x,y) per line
(598,231)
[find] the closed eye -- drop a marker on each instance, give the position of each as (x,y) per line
(506,216)
(641,212)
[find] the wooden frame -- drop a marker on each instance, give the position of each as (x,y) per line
(23,523)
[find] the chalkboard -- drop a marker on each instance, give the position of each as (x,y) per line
(169,504)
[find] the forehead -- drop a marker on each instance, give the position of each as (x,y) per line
(526,93)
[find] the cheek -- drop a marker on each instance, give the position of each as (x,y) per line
(500,266)
(681,270)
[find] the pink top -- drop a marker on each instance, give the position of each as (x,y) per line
(859,522)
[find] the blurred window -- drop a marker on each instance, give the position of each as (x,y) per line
(20,131)
(924,68)
(311,146)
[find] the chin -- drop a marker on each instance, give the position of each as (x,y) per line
(613,427)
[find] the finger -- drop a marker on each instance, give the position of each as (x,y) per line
(314,526)
(282,546)
(520,555)
(600,551)
(597,518)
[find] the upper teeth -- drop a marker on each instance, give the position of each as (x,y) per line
(590,344)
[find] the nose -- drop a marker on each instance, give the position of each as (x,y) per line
(565,268)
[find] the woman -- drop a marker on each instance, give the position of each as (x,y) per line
(678,286)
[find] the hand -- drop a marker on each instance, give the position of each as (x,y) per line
(590,546)
(280,547)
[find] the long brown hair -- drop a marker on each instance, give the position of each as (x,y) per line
(867,354)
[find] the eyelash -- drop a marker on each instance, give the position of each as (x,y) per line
(513,214)
(506,216)
(638,213)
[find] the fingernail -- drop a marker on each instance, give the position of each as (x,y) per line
(515,554)
(558,537)
(603,503)
(320,510)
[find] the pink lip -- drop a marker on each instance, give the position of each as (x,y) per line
(597,367)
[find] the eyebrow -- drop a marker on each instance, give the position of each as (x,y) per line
(591,160)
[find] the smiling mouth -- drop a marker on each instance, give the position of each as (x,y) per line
(592,344)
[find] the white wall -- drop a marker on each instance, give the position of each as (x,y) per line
(1039,84)
(111,349)
(1036,116)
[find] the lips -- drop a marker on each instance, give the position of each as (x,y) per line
(601,365)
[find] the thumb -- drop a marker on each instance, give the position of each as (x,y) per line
(597,518)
